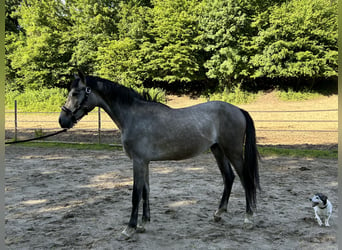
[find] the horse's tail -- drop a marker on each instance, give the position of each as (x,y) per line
(250,169)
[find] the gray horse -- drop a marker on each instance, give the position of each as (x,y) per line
(151,131)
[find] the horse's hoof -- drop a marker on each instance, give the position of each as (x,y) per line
(217,214)
(217,218)
(128,232)
(248,223)
(248,226)
(140,229)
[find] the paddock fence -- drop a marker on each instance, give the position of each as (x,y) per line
(286,127)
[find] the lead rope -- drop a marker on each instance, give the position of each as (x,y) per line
(37,138)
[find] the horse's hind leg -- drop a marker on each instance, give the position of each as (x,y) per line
(228,179)
(238,165)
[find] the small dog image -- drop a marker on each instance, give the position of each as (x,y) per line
(322,207)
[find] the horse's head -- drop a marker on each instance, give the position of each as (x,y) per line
(79,103)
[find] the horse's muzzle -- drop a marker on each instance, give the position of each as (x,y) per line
(66,120)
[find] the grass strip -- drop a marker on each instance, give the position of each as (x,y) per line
(303,153)
(263,150)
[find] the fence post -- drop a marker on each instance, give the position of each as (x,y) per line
(99,124)
(15,120)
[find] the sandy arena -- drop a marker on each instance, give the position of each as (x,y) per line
(81,199)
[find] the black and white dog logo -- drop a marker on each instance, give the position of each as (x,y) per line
(322,207)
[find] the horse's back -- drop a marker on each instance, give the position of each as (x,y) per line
(224,114)
(172,134)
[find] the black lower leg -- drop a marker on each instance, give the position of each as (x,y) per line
(249,209)
(140,171)
(227,175)
(146,205)
(228,179)
(136,197)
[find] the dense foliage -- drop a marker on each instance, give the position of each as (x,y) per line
(168,42)
(43,100)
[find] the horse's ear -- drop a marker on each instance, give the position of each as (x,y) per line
(81,75)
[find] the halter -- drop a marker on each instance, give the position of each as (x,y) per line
(81,106)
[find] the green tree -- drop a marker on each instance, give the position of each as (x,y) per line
(35,53)
(56,37)
(171,51)
(118,59)
(11,20)
(12,42)
(226,31)
(94,23)
(13,38)
(170,41)
(297,40)
(133,20)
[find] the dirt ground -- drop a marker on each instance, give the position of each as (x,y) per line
(74,199)
(81,199)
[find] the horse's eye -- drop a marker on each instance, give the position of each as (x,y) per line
(74,94)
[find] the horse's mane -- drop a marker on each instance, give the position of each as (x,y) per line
(111,90)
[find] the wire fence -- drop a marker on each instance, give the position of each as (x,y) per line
(98,127)
(292,121)
(23,125)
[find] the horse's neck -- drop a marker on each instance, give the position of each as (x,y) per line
(120,114)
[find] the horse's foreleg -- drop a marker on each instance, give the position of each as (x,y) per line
(139,173)
(146,195)
(146,204)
